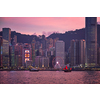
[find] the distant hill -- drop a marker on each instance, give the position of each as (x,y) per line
(77,34)
(66,37)
(22,38)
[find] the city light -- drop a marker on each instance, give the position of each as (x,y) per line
(27,55)
(26,59)
(26,51)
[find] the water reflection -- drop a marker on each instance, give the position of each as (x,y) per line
(91,77)
(49,77)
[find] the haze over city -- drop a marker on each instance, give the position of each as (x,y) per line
(42,25)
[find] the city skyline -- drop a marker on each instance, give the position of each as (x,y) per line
(42,25)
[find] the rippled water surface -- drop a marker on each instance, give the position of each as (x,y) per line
(49,77)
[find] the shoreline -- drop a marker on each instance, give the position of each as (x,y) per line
(49,70)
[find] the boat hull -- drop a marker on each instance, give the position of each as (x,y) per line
(34,70)
(67,70)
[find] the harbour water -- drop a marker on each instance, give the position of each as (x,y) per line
(49,77)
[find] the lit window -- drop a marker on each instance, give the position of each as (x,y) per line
(26,51)
(26,59)
(27,55)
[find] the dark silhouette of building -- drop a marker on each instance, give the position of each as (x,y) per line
(0,51)
(77,52)
(91,41)
(6,34)
(98,56)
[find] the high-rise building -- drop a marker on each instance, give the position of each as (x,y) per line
(77,52)
(49,43)
(91,41)
(44,62)
(27,52)
(98,56)
(52,50)
(37,61)
(6,46)
(54,41)
(82,47)
(37,45)
(60,53)
(15,39)
(74,52)
(33,51)
(0,51)
(28,63)
(12,56)
(43,41)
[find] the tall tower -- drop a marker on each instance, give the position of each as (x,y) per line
(91,41)
(77,52)
(0,51)
(33,51)
(60,53)
(82,47)
(74,52)
(6,46)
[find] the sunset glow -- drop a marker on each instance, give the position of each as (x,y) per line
(42,25)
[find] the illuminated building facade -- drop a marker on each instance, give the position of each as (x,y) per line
(60,52)
(6,46)
(91,41)
(0,51)
(27,52)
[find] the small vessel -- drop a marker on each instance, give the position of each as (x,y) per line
(33,69)
(66,69)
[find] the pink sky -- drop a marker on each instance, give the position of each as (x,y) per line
(42,25)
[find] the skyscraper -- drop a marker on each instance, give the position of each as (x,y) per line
(91,41)
(27,52)
(33,51)
(82,47)
(0,51)
(74,52)
(6,46)
(60,53)
(15,39)
(77,52)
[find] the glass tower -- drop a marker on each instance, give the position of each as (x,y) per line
(60,53)
(6,45)
(91,41)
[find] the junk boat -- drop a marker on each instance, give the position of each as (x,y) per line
(66,69)
(33,69)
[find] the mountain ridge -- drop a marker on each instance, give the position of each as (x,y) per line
(66,37)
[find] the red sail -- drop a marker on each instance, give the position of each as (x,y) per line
(66,67)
